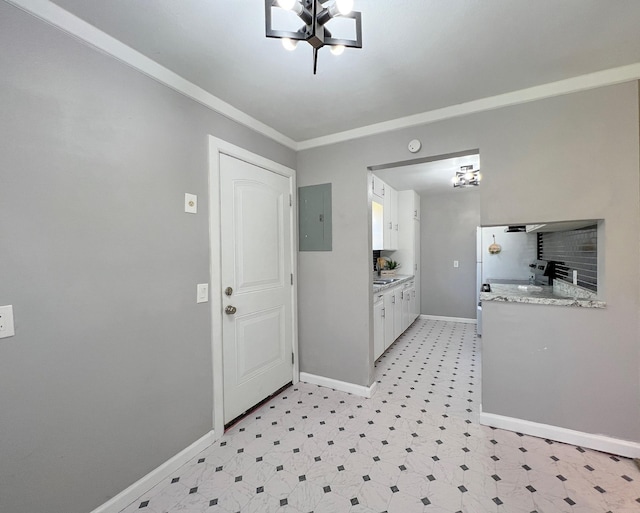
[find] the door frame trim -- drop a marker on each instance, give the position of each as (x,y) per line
(219,147)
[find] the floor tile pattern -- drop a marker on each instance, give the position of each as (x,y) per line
(416,446)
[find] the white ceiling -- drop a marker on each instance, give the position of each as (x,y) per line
(417,55)
(429,178)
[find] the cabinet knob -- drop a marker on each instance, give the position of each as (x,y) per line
(230,310)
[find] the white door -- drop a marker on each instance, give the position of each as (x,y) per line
(256,243)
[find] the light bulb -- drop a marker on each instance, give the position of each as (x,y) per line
(289,44)
(468,176)
(287,5)
(344,6)
(337,8)
(337,49)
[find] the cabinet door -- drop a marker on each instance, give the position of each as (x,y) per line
(389,305)
(390,218)
(406,314)
(398,326)
(378,328)
(378,187)
(413,312)
(393,216)
(388,223)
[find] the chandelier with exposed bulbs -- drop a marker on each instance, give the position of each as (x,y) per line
(467,177)
(315,14)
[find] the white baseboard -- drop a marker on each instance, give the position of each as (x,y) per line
(343,386)
(588,440)
(451,319)
(145,483)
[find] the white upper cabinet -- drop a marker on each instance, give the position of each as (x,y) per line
(409,233)
(390,218)
(414,201)
(385,215)
(378,188)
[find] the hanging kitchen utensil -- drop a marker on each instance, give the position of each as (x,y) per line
(494,249)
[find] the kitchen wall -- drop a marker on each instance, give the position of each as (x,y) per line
(533,154)
(512,263)
(448,226)
(109,373)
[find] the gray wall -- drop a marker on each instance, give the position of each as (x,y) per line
(335,337)
(109,373)
(567,367)
(569,157)
(518,250)
(448,225)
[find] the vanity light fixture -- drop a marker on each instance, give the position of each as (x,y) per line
(315,14)
(466,177)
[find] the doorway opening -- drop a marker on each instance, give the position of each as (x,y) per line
(432,239)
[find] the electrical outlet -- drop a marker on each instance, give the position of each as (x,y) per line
(6,321)
(190,203)
(456,264)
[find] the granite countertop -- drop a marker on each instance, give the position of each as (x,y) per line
(400,279)
(514,293)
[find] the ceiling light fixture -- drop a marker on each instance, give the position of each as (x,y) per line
(315,14)
(467,177)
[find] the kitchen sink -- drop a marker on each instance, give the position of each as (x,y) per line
(385,281)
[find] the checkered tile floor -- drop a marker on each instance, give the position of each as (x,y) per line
(416,446)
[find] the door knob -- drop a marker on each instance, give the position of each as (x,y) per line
(230,310)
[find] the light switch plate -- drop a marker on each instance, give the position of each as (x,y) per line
(456,263)
(6,322)
(202,295)
(190,203)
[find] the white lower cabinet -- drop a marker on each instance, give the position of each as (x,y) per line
(378,326)
(393,312)
(405,308)
(413,304)
(389,314)
(398,327)
(409,305)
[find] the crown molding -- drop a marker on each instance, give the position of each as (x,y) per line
(570,85)
(58,17)
(64,20)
